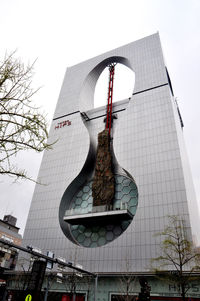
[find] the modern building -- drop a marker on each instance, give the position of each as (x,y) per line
(150,166)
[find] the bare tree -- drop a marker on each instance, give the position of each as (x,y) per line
(22,126)
(179,259)
(18,281)
(127,281)
(73,278)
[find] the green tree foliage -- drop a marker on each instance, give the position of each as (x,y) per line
(22,126)
(179,259)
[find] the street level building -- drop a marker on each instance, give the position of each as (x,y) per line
(9,232)
(150,166)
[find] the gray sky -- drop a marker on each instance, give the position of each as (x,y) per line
(62,33)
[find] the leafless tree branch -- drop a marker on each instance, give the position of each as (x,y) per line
(22,126)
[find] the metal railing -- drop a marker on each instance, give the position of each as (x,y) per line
(96,209)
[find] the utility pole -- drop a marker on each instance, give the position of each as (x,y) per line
(41,257)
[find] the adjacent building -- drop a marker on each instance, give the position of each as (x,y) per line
(9,232)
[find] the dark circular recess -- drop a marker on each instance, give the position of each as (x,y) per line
(99,235)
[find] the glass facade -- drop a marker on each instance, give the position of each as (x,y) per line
(148,145)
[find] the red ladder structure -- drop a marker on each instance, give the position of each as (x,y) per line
(110,96)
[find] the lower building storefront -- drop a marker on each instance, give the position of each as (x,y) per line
(107,288)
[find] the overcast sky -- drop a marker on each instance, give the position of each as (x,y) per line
(62,33)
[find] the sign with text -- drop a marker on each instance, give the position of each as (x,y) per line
(62,124)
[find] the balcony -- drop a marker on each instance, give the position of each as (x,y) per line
(97,215)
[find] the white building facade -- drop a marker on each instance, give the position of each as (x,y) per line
(148,147)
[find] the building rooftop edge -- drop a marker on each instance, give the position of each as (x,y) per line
(9,224)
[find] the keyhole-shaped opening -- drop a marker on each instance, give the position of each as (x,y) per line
(124,81)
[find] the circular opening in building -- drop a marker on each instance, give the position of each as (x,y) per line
(124,80)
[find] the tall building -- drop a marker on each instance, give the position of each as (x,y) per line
(151,171)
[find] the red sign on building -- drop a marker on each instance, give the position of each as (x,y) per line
(62,124)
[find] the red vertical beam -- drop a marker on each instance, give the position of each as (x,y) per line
(110,97)
(108,103)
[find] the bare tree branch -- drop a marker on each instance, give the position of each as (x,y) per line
(22,126)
